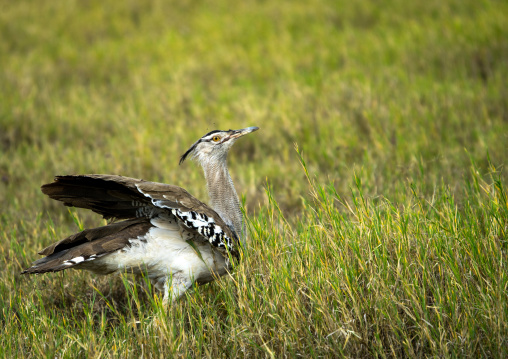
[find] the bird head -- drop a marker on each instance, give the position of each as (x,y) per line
(214,146)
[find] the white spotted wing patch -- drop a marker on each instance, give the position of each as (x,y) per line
(81,259)
(205,226)
(200,222)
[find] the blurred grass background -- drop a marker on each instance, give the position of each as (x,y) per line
(402,97)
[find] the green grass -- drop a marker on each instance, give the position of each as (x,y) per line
(390,240)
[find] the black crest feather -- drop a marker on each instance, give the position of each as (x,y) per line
(184,156)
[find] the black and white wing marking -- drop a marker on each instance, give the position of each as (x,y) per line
(219,235)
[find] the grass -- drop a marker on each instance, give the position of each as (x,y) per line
(385,234)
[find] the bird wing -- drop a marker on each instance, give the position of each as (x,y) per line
(88,245)
(129,198)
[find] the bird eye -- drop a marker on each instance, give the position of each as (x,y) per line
(215,138)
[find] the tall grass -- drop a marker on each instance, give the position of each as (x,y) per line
(353,275)
(384,235)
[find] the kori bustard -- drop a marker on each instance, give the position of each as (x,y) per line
(164,233)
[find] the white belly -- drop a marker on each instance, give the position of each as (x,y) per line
(161,253)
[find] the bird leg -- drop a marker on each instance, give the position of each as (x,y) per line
(175,286)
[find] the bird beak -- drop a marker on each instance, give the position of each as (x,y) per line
(242,132)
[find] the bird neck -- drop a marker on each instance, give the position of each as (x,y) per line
(223,196)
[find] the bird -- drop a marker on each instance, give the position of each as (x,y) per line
(157,230)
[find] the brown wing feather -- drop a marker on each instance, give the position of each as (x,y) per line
(88,244)
(119,197)
(110,196)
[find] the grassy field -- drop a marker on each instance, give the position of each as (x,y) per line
(384,234)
